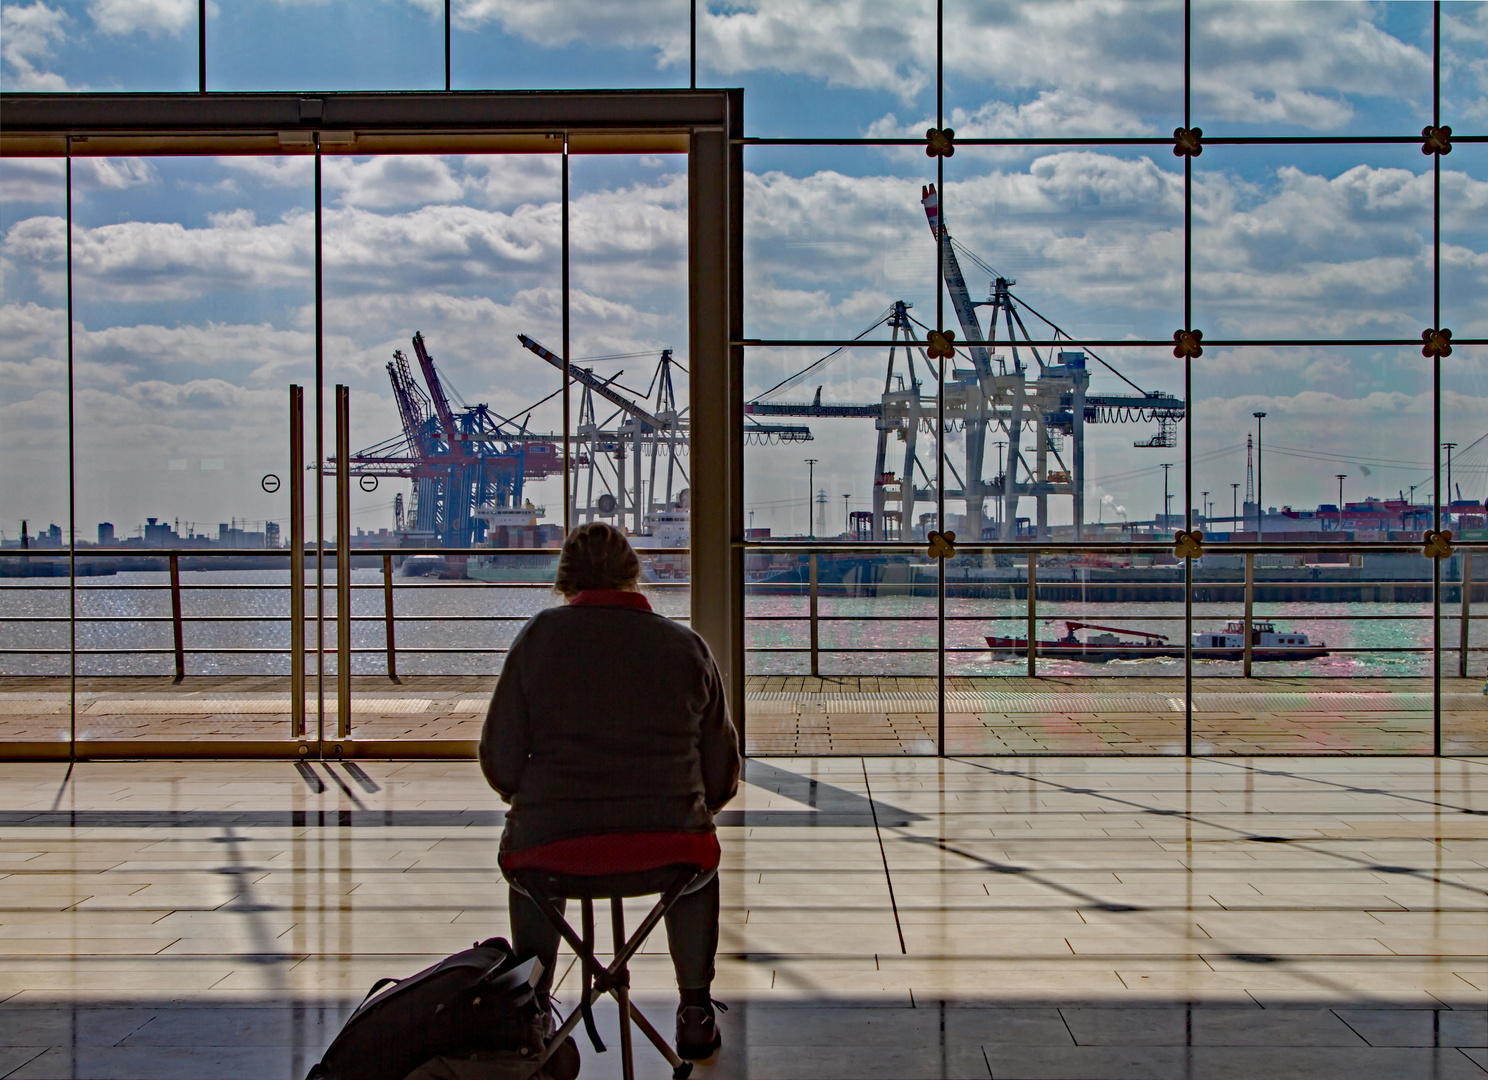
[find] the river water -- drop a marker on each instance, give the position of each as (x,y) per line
(463,616)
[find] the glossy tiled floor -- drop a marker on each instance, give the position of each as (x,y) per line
(1051,917)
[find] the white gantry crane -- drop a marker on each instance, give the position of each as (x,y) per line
(1030,409)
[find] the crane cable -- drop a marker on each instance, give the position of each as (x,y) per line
(793,379)
(982,266)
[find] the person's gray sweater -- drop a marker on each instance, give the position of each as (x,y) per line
(608,719)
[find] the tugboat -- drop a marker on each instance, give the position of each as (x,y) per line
(1266,643)
(1095,648)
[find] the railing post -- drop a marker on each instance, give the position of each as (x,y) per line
(1249,604)
(1463,621)
(1032,613)
(815,640)
(387,616)
(297,561)
(343,562)
(176,629)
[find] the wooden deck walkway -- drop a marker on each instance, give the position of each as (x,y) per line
(793,715)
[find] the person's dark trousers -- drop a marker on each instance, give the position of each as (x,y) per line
(692,935)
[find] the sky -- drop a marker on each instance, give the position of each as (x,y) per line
(194,291)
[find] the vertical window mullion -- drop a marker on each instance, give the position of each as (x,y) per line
(1187,386)
(940,425)
(71,493)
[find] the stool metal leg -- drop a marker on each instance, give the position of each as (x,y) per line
(622,989)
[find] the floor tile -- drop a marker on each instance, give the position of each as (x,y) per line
(1070,917)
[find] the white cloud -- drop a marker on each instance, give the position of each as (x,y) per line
(45,179)
(1053,113)
(40,244)
(1465,61)
(635,24)
(860,44)
(113,174)
(31,34)
(262,354)
(1096,241)
(1077,223)
(136,261)
(32,346)
(387,181)
(157,18)
(33,180)
(1051,67)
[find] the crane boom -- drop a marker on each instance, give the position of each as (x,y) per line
(436,388)
(601,387)
(412,403)
(956,284)
(1071,627)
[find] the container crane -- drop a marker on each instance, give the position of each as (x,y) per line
(1053,404)
(462,463)
(995,391)
(651,435)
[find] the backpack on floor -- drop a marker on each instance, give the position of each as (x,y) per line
(476,1002)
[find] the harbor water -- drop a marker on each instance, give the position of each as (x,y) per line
(858,635)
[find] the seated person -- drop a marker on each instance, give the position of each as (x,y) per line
(609,718)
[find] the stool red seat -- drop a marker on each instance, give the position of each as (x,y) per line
(613,866)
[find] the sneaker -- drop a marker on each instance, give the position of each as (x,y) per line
(698,1037)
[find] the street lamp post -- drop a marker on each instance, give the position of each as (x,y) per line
(810,489)
(1204,506)
(1234,506)
(1450,447)
(1260,502)
(1166,497)
(1341,478)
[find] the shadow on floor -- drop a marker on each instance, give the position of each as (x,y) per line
(806,1037)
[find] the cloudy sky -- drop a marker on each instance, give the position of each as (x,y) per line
(194,291)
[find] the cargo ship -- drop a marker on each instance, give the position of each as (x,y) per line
(1267,643)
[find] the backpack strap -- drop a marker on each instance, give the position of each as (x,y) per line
(378,985)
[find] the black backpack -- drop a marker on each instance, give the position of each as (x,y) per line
(478,1000)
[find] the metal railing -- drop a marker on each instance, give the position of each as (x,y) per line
(1037,598)
(1030,589)
(388,586)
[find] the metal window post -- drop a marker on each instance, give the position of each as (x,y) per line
(343,562)
(815,640)
(1032,613)
(715,210)
(176,628)
(1249,604)
(297,561)
(387,617)
(1464,622)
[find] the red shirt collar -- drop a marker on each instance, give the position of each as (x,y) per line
(609,598)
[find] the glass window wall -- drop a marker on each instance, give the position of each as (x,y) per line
(1318,433)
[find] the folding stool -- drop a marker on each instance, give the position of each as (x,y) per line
(612,867)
